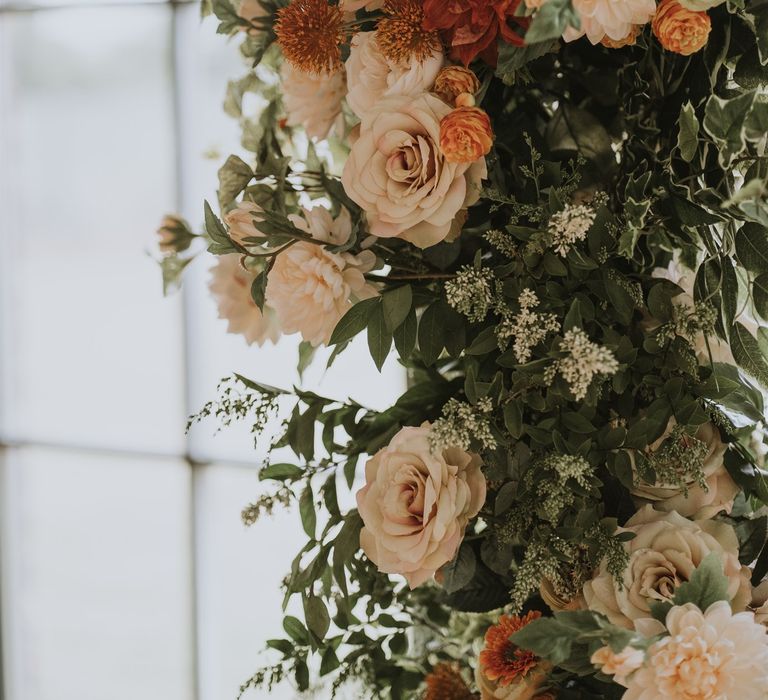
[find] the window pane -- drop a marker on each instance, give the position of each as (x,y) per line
(96,577)
(91,354)
(239,575)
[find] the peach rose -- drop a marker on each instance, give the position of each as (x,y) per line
(527,688)
(251,10)
(555,602)
(416,504)
(241,222)
(759,603)
(679,29)
(311,288)
(230,286)
(452,81)
(371,76)
(700,502)
(664,553)
(313,100)
(619,665)
(398,175)
(629,40)
(465,135)
(355,5)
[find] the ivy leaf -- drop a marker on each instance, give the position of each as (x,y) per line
(724,121)
(354,321)
(708,584)
(688,132)
(234,177)
(379,337)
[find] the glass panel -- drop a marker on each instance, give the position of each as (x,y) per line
(91,353)
(96,562)
(239,575)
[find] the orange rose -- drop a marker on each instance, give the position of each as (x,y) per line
(680,30)
(452,81)
(465,135)
(629,40)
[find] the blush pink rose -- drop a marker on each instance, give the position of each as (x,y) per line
(416,504)
(309,287)
(371,76)
(399,177)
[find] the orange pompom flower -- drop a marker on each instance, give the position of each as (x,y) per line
(446,683)
(501,661)
(401,35)
(679,29)
(452,81)
(310,33)
(465,133)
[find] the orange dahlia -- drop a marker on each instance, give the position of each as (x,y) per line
(501,661)
(446,683)
(473,28)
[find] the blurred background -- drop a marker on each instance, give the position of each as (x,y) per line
(125,570)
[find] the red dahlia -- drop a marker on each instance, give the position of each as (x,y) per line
(472,27)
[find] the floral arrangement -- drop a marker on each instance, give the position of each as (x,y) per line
(555,213)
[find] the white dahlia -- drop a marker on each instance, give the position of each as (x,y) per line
(313,101)
(614,19)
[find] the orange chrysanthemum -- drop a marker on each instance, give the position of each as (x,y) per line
(400,34)
(502,661)
(446,683)
(310,33)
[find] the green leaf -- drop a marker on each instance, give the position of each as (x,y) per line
(688,132)
(551,20)
(280,472)
(747,353)
(306,354)
(459,572)
(707,584)
(259,289)
(405,335)
(431,329)
(512,58)
(329,662)
(234,177)
(379,337)
(513,419)
(396,305)
(295,629)
(316,614)
(220,241)
(760,295)
(307,512)
(724,121)
(752,247)
(354,321)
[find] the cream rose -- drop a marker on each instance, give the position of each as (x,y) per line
(230,286)
(311,288)
(397,174)
(416,504)
(241,222)
(313,101)
(371,76)
(664,553)
(699,503)
(526,688)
